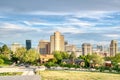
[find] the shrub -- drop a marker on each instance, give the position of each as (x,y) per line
(50,64)
(116,68)
(102,68)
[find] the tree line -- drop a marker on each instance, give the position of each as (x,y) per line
(63,59)
(21,55)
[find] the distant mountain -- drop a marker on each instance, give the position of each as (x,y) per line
(1,44)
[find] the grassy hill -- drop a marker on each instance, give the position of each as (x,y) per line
(77,75)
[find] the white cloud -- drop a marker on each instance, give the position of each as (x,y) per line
(48,13)
(78,14)
(92,42)
(74,21)
(70,29)
(32,23)
(115,36)
(65,29)
(93,14)
(10,26)
(68,22)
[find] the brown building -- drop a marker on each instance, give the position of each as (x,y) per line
(44,47)
(113,48)
(57,42)
(86,49)
(45,58)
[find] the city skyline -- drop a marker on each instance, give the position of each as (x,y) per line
(80,22)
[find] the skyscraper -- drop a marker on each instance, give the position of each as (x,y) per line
(113,48)
(28,44)
(57,42)
(86,49)
(44,47)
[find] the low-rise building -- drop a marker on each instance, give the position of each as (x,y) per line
(45,58)
(15,46)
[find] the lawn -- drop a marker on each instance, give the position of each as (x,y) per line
(10,73)
(77,75)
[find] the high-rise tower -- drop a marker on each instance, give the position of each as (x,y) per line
(86,49)
(57,42)
(113,48)
(28,44)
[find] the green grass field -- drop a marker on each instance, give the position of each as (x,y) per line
(77,75)
(10,73)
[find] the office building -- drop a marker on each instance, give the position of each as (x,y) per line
(70,48)
(86,49)
(57,42)
(113,48)
(44,47)
(100,47)
(15,46)
(28,44)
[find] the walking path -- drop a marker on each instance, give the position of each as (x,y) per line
(32,77)
(28,74)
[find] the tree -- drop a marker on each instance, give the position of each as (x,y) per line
(96,59)
(72,57)
(92,59)
(31,56)
(1,61)
(116,59)
(0,50)
(65,55)
(58,56)
(19,54)
(108,58)
(5,49)
(6,52)
(86,59)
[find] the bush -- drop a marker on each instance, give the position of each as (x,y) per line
(116,68)
(70,65)
(102,68)
(50,64)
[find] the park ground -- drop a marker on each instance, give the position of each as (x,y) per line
(77,75)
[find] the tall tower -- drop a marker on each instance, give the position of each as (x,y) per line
(86,49)
(56,42)
(28,44)
(113,48)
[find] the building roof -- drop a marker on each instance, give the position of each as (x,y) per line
(86,44)
(44,41)
(47,56)
(15,43)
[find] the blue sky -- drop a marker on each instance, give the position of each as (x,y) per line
(92,21)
